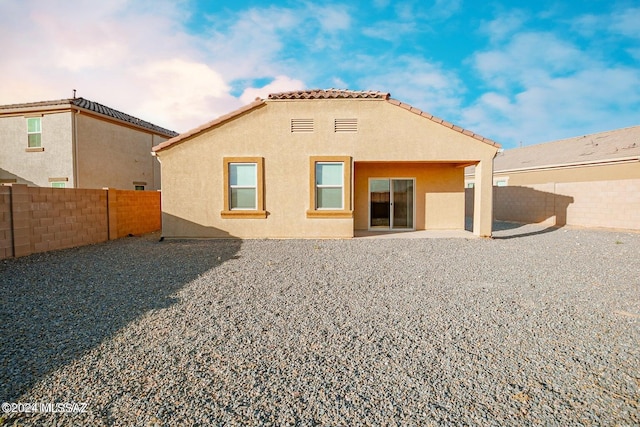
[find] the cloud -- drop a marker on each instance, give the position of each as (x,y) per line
(180,91)
(279,84)
(621,22)
(138,56)
(541,87)
(626,22)
(332,18)
(423,84)
(504,25)
(558,107)
(527,58)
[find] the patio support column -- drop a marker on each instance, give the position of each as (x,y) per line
(483,199)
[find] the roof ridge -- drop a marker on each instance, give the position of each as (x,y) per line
(95,107)
(442,122)
(330,94)
(572,138)
(99,108)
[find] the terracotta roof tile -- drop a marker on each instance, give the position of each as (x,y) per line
(94,107)
(443,122)
(329,94)
(257,103)
(319,94)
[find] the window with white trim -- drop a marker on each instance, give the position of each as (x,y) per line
(329,185)
(243,186)
(34,132)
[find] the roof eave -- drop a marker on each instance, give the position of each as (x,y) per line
(209,125)
(619,160)
(63,105)
(126,123)
(443,122)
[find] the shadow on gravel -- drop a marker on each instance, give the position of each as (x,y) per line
(58,305)
(499,226)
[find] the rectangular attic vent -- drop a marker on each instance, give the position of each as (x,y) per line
(345,125)
(301,125)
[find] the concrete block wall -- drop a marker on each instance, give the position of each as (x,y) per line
(6,228)
(39,219)
(607,204)
(611,204)
(134,212)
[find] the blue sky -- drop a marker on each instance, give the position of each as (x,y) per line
(516,72)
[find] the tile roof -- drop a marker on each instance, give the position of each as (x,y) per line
(443,122)
(94,107)
(330,94)
(609,146)
(312,94)
(232,115)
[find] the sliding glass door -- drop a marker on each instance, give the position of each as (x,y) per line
(391,203)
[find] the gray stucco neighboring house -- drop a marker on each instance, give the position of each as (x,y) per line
(77,143)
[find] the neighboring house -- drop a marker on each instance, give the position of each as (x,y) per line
(586,181)
(322,163)
(77,143)
(606,156)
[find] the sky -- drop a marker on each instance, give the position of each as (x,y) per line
(519,73)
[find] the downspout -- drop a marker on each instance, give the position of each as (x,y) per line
(74,125)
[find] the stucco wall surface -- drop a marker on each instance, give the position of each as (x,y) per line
(115,156)
(55,160)
(439,192)
(192,170)
(610,172)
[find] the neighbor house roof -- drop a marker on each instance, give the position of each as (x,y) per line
(605,147)
(311,94)
(85,104)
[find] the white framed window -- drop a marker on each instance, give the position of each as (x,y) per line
(329,185)
(34,132)
(243,186)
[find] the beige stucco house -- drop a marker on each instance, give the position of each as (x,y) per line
(77,143)
(323,164)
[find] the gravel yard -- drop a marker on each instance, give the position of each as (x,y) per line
(534,327)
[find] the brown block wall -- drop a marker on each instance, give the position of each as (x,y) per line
(133,212)
(6,228)
(38,219)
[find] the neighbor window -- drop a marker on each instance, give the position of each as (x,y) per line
(330,187)
(244,192)
(139,187)
(34,132)
(58,185)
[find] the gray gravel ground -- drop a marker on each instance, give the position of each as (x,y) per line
(534,327)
